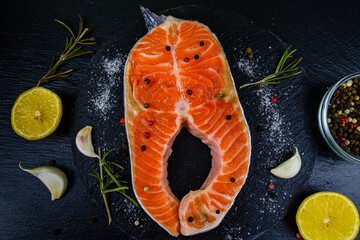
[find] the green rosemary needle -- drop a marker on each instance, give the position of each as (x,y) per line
(281,72)
(73,48)
(107,178)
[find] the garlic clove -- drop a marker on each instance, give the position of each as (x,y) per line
(289,168)
(84,143)
(53,178)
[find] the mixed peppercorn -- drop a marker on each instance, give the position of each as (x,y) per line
(343,115)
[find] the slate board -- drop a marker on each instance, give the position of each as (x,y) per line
(287,123)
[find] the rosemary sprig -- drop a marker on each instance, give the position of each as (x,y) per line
(281,72)
(73,48)
(109,178)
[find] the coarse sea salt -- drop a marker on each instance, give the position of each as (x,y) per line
(277,130)
(104,100)
(277,133)
(249,67)
(232,233)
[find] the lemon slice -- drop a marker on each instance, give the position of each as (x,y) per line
(36,113)
(326,216)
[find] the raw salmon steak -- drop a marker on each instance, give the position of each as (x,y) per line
(177,76)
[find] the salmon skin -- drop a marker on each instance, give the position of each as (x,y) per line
(177,76)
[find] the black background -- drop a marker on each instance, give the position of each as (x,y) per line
(326,33)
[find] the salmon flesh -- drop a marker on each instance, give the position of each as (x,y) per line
(177,76)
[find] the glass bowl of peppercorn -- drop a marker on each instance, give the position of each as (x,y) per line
(339,118)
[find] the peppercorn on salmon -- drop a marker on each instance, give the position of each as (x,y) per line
(177,76)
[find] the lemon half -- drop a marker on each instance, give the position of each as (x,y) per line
(327,216)
(36,113)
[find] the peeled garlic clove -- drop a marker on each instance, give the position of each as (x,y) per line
(53,178)
(84,143)
(289,168)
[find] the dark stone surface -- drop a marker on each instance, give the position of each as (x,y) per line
(255,209)
(326,34)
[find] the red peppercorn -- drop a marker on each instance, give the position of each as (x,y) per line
(122,121)
(274,99)
(298,235)
(150,123)
(271,186)
(186,60)
(146,134)
(345,120)
(342,139)
(337,101)
(340,120)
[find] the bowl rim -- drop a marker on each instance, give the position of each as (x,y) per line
(323,124)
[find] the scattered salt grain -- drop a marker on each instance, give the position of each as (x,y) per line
(278,130)
(112,66)
(104,99)
(248,67)
(232,233)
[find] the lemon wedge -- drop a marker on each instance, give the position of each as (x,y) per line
(327,216)
(36,113)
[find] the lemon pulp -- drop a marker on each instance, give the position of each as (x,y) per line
(36,113)
(327,216)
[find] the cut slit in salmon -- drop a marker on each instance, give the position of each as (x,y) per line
(172,77)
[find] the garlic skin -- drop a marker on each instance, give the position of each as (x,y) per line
(84,143)
(290,168)
(53,178)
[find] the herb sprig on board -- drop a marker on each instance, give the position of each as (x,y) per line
(107,178)
(281,70)
(73,48)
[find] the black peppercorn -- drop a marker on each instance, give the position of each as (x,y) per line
(51,162)
(70,173)
(272,194)
(93,220)
(259,128)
